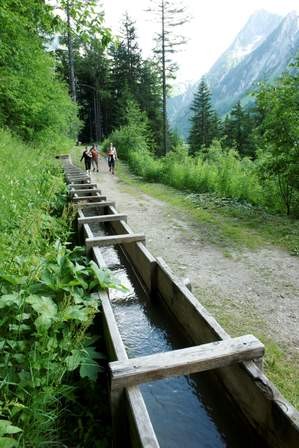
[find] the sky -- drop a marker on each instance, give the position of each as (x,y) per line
(214,25)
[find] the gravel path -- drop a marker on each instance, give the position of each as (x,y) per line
(262,283)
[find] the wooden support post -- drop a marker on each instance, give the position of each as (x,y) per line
(114,239)
(185,361)
(102,218)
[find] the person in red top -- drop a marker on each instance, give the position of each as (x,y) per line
(95,158)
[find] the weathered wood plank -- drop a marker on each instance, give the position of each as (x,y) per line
(114,239)
(142,431)
(81,185)
(87,230)
(85,190)
(95,204)
(78,179)
(184,361)
(102,218)
(89,198)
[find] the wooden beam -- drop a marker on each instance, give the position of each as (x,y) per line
(96,204)
(102,218)
(82,185)
(114,239)
(89,198)
(78,178)
(185,361)
(142,426)
(91,189)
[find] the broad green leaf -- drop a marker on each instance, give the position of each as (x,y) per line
(6,442)
(73,360)
(9,300)
(43,305)
(76,312)
(6,427)
(89,370)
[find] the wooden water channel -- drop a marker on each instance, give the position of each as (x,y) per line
(236,361)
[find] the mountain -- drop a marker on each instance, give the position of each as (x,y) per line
(255,31)
(261,51)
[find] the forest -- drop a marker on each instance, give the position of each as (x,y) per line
(94,87)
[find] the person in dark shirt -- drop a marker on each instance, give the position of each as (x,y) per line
(87,156)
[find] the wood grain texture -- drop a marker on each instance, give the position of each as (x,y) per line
(102,241)
(185,361)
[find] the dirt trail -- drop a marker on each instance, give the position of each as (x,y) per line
(262,283)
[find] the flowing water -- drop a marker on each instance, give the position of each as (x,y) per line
(188,411)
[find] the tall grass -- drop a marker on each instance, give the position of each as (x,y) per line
(31,190)
(45,302)
(217,170)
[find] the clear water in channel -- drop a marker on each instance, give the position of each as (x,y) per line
(188,411)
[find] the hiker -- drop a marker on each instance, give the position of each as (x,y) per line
(87,156)
(112,157)
(94,158)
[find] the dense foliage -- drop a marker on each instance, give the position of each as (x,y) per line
(45,299)
(278,155)
(34,103)
(254,157)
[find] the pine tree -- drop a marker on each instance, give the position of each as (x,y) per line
(150,100)
(238,129)
(125,75)
(204,120)
(170,16)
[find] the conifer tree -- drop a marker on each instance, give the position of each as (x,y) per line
(237,130)
(204,120)
(150,101)
(169,15)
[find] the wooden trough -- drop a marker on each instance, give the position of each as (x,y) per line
(238,360)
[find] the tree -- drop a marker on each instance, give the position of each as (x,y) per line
(150,100)
(84,23)
(204,120)
(125,75)
(132,52)
(34,103)
(170,16)
(238,130)
(278,157)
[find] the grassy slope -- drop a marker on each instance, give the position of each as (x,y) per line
(233,227)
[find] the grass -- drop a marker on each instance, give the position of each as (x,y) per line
(227,223)
(280,366)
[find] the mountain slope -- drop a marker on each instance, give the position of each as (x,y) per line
(266,62)
(261,51)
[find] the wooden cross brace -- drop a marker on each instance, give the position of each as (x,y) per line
(184,361)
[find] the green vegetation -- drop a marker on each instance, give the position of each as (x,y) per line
(279,365)
(34,103)
(229,224)
(45,297)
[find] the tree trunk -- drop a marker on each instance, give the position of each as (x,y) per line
(70,54)
(164,82)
